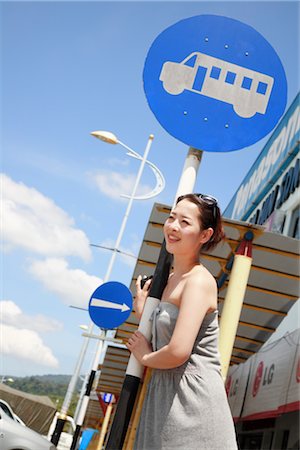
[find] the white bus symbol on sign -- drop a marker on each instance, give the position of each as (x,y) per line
(247,90)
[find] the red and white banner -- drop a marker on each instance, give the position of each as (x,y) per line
(236,385)
(274,379)
(293,397)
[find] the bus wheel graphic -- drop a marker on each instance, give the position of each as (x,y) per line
(173,89)
(246,113)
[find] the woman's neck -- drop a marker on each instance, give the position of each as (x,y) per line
(181,267)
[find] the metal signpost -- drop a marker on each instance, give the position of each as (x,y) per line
(109,306)
(215,84)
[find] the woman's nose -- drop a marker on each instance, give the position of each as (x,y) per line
(174,225)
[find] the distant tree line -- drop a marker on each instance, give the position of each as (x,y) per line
(54,386)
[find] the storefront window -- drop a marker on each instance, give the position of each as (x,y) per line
(294,230)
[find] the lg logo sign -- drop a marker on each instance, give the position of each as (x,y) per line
(264,375)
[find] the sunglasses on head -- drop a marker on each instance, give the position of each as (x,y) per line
(209,200)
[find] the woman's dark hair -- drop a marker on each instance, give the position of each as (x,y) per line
(210,217)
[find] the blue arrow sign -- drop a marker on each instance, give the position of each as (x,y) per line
(110,305)
(214,83)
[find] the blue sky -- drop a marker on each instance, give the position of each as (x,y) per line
(70,68)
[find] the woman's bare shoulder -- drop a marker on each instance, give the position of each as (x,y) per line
(202,274)
(200,277)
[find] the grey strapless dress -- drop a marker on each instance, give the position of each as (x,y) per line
(186,407)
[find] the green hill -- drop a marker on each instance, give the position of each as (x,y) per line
(54,386)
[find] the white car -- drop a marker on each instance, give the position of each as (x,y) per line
(15,435)
(8,410)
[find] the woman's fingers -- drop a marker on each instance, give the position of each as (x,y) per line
(147,284)
(134,338)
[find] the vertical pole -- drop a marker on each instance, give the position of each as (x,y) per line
(189,172)
(86,397)
(85,401)
(82,390)
(70,391)
(233,302)
(160,278)
(105,425)
(129,206)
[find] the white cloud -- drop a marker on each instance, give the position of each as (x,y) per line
(33,221)
(117,162)
(74,286)
(114,184)
(12,315)
(27,345)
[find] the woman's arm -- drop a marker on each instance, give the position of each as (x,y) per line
(199,295)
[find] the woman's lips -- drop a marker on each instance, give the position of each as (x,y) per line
(172,239)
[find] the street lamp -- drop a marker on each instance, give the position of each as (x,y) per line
(110,138)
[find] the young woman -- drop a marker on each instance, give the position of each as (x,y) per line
(186,405)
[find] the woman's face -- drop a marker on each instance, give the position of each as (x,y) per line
(182,229)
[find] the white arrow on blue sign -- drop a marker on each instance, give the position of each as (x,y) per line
(215,83)
(110,305)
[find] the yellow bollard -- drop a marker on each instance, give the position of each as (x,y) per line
(104,425)
(232,307)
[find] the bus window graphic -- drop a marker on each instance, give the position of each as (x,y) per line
(246,90)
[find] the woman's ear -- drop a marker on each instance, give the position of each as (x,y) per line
(206,235)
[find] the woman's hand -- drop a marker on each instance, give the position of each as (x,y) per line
(141,295)
(139,346)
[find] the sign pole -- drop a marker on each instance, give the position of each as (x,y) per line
(135,369)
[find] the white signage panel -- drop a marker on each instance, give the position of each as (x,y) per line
(236,384)
(293,396)
(267,390)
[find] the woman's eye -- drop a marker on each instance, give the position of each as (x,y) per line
(185,221)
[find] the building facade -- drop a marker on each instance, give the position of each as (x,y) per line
(264,392)
(269,194)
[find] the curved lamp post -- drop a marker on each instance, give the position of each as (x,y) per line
(110,138)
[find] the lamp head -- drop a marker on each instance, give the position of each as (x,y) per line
(105,136)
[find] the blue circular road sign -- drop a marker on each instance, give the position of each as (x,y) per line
(110,305)
(215,83)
